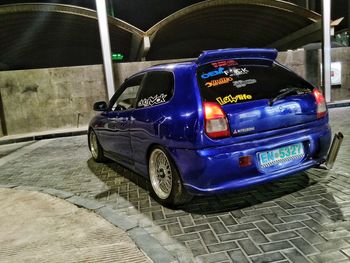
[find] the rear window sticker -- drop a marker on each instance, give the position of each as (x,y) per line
(233,99)
(236,72)
(216,82)
(213,73)
(224,63)
(242,83)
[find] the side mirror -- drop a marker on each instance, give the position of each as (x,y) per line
(100,106)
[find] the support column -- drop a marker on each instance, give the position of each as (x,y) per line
(2,118)
(136,42)
(348,16)
(106,45)
(326,48)
(312,66)
(146,45)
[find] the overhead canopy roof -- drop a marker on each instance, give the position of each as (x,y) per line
(52,35)
(227,23)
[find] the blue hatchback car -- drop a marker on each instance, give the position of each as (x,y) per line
(231,118)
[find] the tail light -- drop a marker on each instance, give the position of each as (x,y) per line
(321,103)
(216,125)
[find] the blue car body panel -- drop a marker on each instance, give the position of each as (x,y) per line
(217,169)
(208,165)
(236,53)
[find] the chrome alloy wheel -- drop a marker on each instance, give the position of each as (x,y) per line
(160,174)
(93,145)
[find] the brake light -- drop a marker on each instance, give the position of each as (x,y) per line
(321,103)
(216,124)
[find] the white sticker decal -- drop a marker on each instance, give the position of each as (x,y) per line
(242,83)
(153,100)
(236,72)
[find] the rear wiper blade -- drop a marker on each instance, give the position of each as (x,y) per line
(282,95)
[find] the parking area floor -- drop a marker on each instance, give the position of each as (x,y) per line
(300,218)
(36,227)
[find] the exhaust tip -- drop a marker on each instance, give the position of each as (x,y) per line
(333,151)
(340,135)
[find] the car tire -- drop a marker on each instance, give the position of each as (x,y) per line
(166,184)
(95,148)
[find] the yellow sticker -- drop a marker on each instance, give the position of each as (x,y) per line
(233,99)
(217,82)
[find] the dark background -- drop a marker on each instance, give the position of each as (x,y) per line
(145,13)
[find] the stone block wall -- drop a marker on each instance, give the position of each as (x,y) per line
(44,99)
(125,70)
(293,59)
(342,55)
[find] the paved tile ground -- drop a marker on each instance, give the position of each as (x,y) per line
(9,148)
(36,227)
(301,218)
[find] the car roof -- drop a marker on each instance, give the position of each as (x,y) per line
(213,55)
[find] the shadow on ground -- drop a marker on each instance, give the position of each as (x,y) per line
(247,197)
(116,178)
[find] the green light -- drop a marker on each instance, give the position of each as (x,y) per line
(117,56)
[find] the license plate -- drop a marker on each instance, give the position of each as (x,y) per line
(280,155)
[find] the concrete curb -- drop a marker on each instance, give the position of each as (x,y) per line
(42,137)
(145,242)
(338,104)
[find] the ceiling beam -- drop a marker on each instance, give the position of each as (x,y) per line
(308,34)
(303,36)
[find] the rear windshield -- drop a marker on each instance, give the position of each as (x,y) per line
(237,81)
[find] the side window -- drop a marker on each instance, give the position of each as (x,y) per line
(127,99)
(157,88)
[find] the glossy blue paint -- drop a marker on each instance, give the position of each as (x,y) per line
(216,169)
(236,53)
(208,165)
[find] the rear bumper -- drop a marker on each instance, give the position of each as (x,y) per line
(217,170)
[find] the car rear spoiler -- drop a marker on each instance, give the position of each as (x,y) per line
(236,53)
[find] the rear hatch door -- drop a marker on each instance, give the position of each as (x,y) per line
(257,94)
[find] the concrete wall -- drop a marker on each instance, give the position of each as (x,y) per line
(307,64)
(1,119)
(125,70)
(294,60)
(44,99)
(342,55)
(1,134)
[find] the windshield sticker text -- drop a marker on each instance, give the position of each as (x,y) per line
(213,73)
(242,83)
(216,82)
(236,72)
(224,63)
(233,99)
(153,100)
